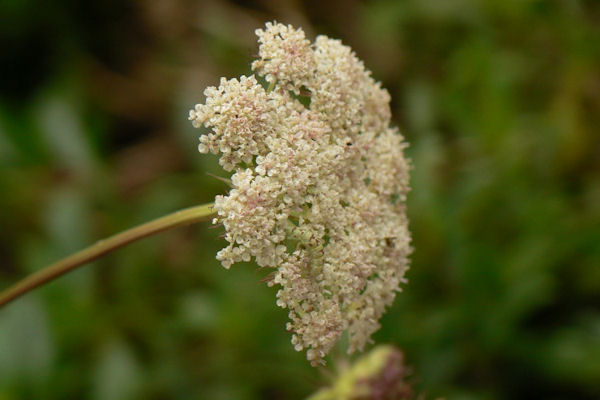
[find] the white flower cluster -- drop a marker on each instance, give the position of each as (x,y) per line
(319,185)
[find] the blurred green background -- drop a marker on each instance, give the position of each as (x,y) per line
(500,101)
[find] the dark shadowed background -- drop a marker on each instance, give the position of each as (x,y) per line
(500,101)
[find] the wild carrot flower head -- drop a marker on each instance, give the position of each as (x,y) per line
(318,186)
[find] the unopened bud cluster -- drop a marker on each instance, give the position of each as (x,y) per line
(318,186)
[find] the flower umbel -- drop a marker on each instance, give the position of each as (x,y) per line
(319,185)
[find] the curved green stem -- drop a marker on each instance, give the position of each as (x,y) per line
(102,247)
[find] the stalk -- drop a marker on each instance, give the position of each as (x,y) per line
(179,218)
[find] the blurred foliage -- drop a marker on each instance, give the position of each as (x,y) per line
(500,101)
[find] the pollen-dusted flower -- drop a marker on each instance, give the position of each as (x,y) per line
(319,185)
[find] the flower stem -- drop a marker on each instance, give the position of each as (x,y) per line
(180,218)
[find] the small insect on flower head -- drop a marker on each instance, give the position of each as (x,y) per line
(318,186)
